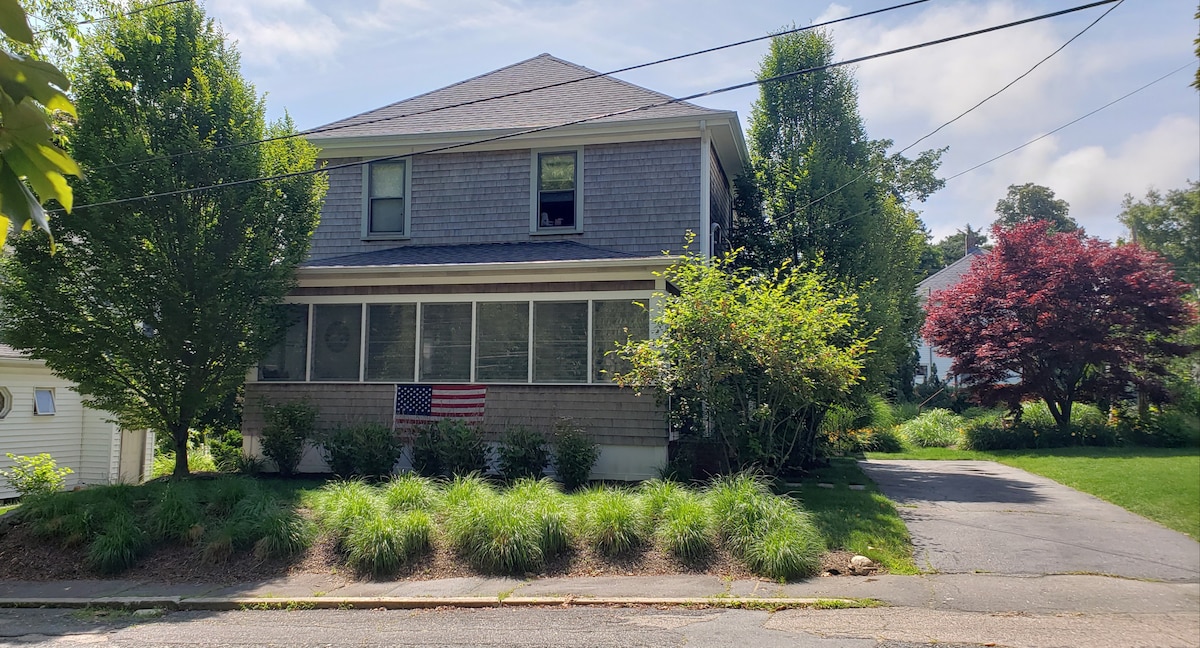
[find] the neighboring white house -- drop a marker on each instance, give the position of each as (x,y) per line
(40,412)
(940,280)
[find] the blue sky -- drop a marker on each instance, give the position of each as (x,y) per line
(322,60)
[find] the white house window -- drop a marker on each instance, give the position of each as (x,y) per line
(385,202)
(446,342)
(43,401)
(556,200)
(337,336)
(5,402)
(286,360)
(502,342)
(391,342)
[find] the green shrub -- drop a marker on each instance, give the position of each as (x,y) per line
(427,451)
(362,450)
(611,520)
(1089,426)
(340,506)
(411,492)
(1163,428)
(903,412)
(522,453)
(877,414)
(466,488)
(35,476)
(224,495)
(118,546)
(287,427)
(992,432)
(225,449)
(738,504)
(657,495)
(885,440)
(574,454)
(936,428)
(462,449)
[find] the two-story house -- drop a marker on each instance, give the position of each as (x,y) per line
(469,237)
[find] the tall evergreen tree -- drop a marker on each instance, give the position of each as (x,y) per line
(158,307)
(830,193)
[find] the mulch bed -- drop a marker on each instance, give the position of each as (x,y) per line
(25,557)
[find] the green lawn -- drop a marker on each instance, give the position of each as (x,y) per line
(1162,484)
(862,521)
(5,508)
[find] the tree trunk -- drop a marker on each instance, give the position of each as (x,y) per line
(1064,423)
(179,433)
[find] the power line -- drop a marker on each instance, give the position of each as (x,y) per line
(1072,122)
(739,86)
(91,21)
(367,122)
(986,99)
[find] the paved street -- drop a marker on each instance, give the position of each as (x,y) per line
(616,627)
(981,516)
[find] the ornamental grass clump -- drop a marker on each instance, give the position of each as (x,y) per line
(281,534)
(684,528)
(466,488)
(341,505)
(411,492)
(495,533)
(612,521)
(768,532)
(546,503)
(176,516)
(383,542)
(118,546)
(937,428)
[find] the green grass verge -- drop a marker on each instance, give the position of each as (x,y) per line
(1162,484)
(862,521)
(5,508)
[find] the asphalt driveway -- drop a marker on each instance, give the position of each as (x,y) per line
(981,516)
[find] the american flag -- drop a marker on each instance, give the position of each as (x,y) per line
(417,404)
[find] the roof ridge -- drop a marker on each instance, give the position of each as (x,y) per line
(607,75)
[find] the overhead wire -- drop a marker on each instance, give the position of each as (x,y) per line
(738,86)
(966,112)
(91,21)
(347,123)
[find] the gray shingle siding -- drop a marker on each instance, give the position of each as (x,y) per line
(638,198)
(721,207)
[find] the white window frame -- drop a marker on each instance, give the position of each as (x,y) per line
(367,234)
(534,226)
(37,406)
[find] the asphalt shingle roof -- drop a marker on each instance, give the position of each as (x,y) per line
(418,255)
(545,107)
(948,276)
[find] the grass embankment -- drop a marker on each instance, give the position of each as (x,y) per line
(5,508)
(861,521)
(380,529)
(1162,484)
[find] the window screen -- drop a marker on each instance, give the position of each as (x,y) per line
(337,337)
(386,208)
(502,342)
(391,342)
(43,401)
(446,342)
(560,342)
(612,322)
(285,361)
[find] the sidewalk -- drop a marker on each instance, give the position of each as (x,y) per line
(1087,594)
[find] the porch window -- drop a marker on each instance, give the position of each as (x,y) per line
(391,342)
(286,360)
(337,341)
(446,342)
(502,342)
(560,342)
(615,321)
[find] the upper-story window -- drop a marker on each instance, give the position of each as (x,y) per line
(385,199)
(556,201)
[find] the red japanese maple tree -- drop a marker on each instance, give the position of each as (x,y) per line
(1069,316)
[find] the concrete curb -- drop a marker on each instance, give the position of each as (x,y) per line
(201,603)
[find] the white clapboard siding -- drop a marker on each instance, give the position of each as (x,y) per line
(79,438)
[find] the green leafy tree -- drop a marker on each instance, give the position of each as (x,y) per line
(1033,202)
(158,307)
(1170,225)
(755,361)
(30,90)
(828,192)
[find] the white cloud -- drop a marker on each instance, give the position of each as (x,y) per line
(274,33)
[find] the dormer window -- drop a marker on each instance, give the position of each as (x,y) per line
(556,200)
(385,199)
